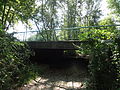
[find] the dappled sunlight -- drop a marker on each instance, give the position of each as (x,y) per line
(44,84)
(59,79)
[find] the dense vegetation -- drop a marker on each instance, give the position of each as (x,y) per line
(13,56)
(103,46)
(104,64)
(15,68)
(13,11)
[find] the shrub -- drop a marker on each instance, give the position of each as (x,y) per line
(104,65)
(13,58)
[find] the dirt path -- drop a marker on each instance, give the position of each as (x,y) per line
(70,78)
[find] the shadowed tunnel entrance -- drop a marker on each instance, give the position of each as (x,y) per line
(54,52)
(56,58)
(59,71)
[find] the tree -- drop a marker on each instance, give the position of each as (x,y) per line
(81,13)
(47,19)
(71,17)
(91,12)
(108,21)
(73,13)
(11,11)
(115,6)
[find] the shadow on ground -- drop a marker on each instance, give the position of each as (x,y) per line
(58,72)
(66,77)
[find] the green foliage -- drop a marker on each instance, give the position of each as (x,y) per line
(115,6)
(35,38)
(69,34)
(11,11)
(97,34)
(104,50)
(45,35)
(101,32)
(108,21)
(51,14)
(14,55)
(46,17)
(104,65)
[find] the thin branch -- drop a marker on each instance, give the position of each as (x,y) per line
(3,13)
(7,15)
(10,21)
(39,30)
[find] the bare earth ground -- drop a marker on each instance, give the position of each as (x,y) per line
(73,77)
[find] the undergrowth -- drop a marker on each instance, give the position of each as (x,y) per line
(104,66)
(15,67)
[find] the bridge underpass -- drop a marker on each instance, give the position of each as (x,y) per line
(53,52)
(55,42)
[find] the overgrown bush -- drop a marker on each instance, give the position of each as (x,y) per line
(104,65)
(14,55)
